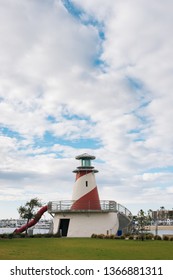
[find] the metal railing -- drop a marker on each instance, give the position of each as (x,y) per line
(105,206)
(123,210)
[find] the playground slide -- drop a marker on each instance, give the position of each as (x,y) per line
(33,221)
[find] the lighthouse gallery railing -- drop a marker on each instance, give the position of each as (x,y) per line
(106,206)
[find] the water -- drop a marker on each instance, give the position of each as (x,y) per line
(161,232)
(35,230)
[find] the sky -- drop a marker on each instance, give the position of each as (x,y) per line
(86,77)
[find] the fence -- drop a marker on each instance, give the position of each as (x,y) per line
(106,206)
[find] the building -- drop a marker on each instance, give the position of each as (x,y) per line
(163,216)
(86,214)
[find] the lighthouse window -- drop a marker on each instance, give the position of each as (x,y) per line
(86,162)
(86,183)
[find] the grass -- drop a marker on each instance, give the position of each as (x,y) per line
(84,249)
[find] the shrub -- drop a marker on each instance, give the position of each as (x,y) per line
(165,237)
(157,237)
(137,237)
(10,235)
(48,235)
(149,236)
(4,235)
(126,235)
(117,237)
(94,235)
(101,236)
(107,236)
(122,237)
(131,237)
(38,235)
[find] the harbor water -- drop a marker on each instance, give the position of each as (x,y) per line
(160,231)
(35,230)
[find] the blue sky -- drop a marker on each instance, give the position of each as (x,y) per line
(86,76)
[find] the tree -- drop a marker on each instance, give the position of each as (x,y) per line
(162,213)
(150,216)
(140,221)
(28,210)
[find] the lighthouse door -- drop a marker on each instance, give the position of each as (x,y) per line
(63,226)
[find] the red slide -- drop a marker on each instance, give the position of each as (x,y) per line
(33,221)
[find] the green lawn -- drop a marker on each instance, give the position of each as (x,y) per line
(84,249)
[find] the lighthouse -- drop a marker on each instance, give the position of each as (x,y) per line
(85,193)
(86,214)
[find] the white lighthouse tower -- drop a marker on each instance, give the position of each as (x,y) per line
(85,193)
(86,214)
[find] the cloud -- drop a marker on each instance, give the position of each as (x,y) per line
(86,76)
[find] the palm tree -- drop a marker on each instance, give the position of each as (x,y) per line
(28,210)
(150,216)
(162,213)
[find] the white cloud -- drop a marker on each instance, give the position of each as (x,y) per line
(51,83)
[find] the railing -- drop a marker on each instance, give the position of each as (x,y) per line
(123,210)
(106,206)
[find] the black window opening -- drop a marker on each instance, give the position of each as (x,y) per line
(86,183)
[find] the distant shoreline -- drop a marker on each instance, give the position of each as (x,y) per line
(160,227)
